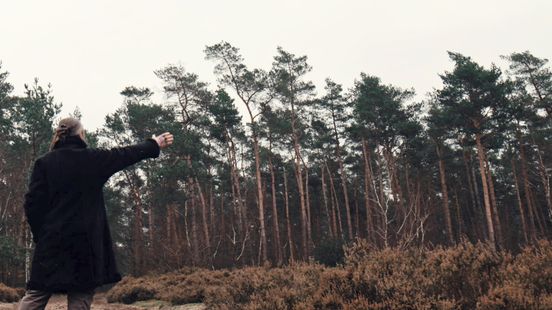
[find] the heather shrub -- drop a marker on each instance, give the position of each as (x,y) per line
(266,288)
(443,278)
(131,290)
(360,302)
(8,294)
(531,269)
(329,301)
(465,276)
(525,281)
(507,297)
(189,288)
(331,290)
(463,272)
(388,278)
(185,285)
(274,298)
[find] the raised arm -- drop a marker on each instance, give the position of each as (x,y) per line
(109,161)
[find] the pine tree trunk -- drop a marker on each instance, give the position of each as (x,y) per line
(527,189)
(346,197)
(407,183)
(151,227)
(172,246)
(520,204)
(260,198)
(301,190)
(538,216)
(444,190)
(211,206)
(176,236)
(357,212)
(400,212)
(234,171)
(458,216)
(299,177)
(307,205)
(168,231)
(367,184)
(335,204)
(275,224)
(222,227)
(236,210)
(486,195)
(194,235)
(325,201)
(545,179)
(384,232)
(478,222)
(137,238)
(475,204)
(203,203)
(496,215)
(481,206)
(288,220)
(187,228)
(343,176)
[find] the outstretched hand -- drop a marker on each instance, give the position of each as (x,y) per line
(164,140)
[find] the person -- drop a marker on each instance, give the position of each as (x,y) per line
(64,207)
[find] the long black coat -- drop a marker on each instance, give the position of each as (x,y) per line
(65,210)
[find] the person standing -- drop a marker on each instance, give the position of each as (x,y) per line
(65,209)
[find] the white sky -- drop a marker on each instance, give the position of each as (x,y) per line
(90,50)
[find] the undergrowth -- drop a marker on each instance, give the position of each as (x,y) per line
(8,294)
(466,276)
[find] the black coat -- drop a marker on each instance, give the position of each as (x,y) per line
(65,210)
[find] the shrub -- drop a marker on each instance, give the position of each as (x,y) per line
(525,281)
(8,294)
(131,290)
(465,276)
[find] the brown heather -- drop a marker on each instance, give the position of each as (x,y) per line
(466,276)
(8,294)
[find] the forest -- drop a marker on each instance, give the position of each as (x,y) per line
(268,170)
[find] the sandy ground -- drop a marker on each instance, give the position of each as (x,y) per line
(59,302)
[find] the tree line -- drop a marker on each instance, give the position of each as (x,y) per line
(302,171)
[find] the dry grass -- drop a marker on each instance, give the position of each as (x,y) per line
(466,276)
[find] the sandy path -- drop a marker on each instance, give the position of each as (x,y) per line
(59,302)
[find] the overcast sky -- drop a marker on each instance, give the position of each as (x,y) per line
(90,50)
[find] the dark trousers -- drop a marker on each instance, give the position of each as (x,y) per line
(37,300)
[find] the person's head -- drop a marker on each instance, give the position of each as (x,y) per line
(67,127)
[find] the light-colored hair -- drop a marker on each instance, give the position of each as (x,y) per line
(67,127)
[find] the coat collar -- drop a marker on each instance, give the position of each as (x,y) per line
(70,142)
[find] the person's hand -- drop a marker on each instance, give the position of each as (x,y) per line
(164,140)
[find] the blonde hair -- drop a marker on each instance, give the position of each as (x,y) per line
(67,127)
